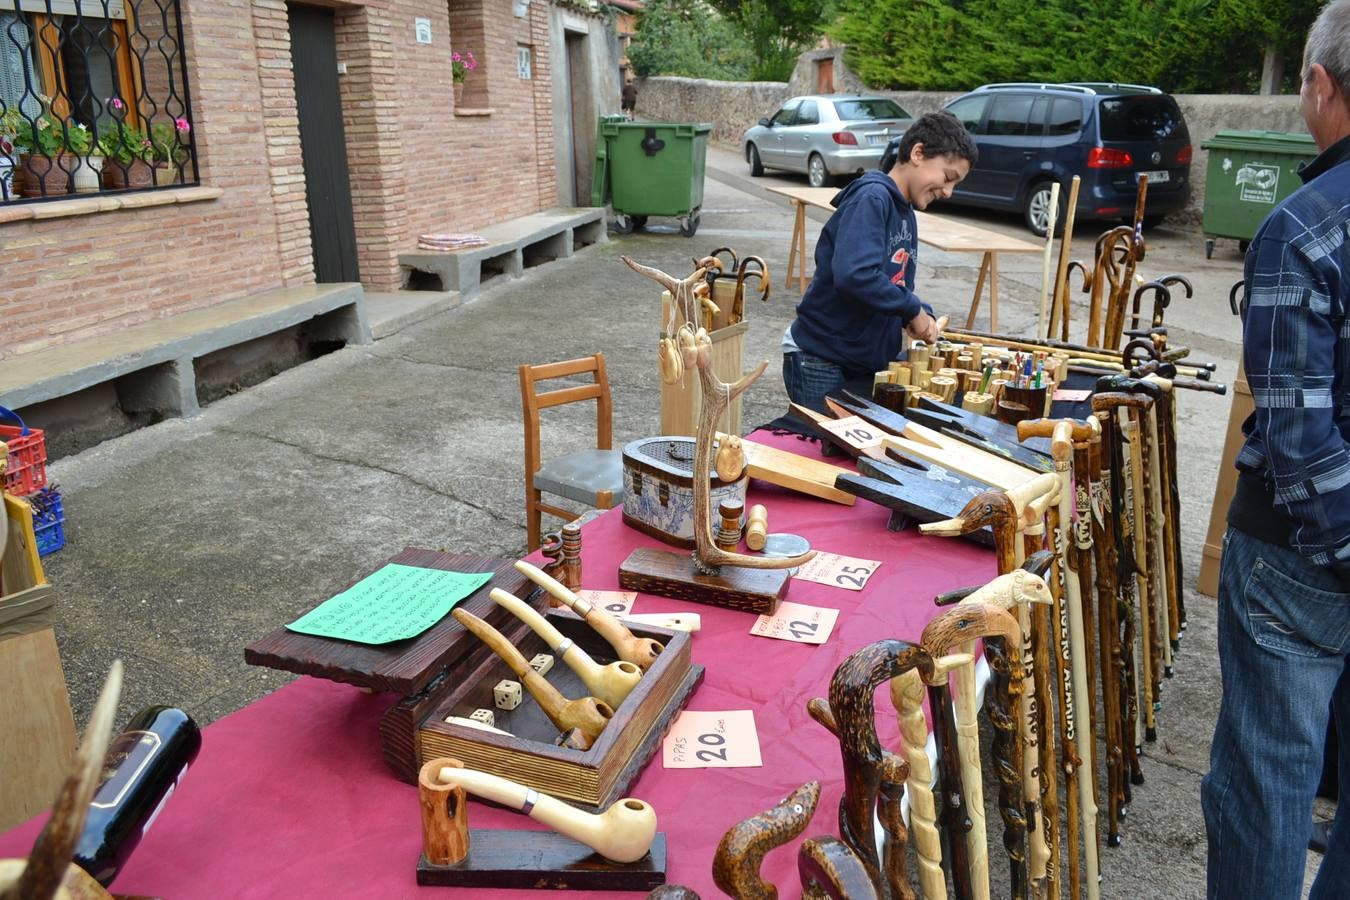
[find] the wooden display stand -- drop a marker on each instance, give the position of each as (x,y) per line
(446,672)
(37,739)
(1243,406)
(681,402)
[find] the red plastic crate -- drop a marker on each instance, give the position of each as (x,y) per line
(27,469)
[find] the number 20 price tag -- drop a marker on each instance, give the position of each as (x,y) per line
(838,571)
(797,622)
(620,603)
(712,740)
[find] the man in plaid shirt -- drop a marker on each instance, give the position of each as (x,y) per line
(1284,594)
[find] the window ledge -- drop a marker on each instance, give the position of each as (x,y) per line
(91,204)
(466,112)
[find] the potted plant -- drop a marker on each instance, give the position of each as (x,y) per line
(461,64)
(8,155)
(49,150)
(127,156)
(170,150)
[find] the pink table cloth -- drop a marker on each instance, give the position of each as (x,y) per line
(290,797)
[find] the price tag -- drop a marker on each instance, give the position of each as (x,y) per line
(854,431)
(1071,396)
(839,571)
(712,740)
(619,603)
(797,622)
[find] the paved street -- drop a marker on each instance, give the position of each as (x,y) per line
(192,537)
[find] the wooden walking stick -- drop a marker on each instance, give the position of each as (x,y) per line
(953,815)
(1162,427)
(1105,271)
(1059,305)
(743,848)
(1079,700)
(1053,211)
(1165,585)
(957,630)
(1003,513)
(828,868)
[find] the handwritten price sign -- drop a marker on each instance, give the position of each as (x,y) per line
(1071,396)
(839,571)
(712,740)
(620,603)
(797,622)
(854,431)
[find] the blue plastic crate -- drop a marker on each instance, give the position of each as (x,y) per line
(48,520)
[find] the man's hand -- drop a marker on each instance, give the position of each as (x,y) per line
(923,327)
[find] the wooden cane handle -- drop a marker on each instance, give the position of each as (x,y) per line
(1030,428)
(742,849)
(1024,494)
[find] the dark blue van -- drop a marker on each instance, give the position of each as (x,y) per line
(1031,135)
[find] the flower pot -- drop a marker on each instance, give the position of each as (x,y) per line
(459,91)
(46,176)
(137,174)
(166,173)
(89,176)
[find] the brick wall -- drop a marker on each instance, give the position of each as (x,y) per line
(415,167)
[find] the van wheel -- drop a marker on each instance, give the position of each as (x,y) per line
(1037,210)
(816,173)
(752,157)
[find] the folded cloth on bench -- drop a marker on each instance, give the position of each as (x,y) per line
(450,241)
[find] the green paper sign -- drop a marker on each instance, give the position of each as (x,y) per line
(394,603)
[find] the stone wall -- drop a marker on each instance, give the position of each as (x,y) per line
(732,107)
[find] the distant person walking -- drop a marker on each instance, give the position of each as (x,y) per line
(629,97)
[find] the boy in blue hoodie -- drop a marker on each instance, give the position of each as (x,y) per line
(861,298)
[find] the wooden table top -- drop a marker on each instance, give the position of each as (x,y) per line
(934,230)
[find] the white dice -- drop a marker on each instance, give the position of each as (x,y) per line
(506,694)
(541,663)
(485,717)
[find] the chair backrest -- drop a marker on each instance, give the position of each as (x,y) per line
(533,400)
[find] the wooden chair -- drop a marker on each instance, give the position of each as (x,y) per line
(593,477)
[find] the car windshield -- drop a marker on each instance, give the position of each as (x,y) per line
(1144,118)
(869,108)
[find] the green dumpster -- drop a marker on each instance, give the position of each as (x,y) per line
(655,169)
(1249,173)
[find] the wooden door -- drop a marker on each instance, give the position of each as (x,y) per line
(323,144)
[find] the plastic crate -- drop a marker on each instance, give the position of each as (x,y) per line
(26,472)
(49,520)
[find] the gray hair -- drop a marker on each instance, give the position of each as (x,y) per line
(1329,44)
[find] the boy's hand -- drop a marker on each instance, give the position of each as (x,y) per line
(923,327)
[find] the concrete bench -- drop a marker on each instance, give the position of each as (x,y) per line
(512,248)
(152,363)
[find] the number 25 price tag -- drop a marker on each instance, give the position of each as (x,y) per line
(797,622)
(620,603)
(839,571)
(712,740)
(854,431)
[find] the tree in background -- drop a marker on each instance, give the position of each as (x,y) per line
(1192,46)
(777,31)
(689,38)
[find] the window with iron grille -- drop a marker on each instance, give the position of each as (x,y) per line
(93,98)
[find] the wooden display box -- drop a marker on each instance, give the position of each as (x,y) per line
(682,402)
(1226,486)
(447,671)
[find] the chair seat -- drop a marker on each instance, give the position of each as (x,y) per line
(579,476)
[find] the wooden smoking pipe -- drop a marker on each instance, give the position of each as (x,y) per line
(609,683)
(956,630)
(48,870)
(582,719)
(622,833)
(828,868)
(742,849)
(641,652)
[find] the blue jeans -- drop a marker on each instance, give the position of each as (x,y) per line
(809,378)
(1284,644)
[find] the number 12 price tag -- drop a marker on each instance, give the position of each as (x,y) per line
(620,603)
(839,571)
(797,622)
(712,740)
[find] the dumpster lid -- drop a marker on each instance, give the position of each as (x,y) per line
(1294,143)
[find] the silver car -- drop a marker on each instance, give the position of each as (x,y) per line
(825,136)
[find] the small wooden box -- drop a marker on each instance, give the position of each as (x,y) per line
(681,402)
(447,671)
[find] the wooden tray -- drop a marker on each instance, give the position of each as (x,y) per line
(415,731)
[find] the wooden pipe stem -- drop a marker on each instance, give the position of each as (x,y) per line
(587,715)
(609,683)
(641,652)
(623,833)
